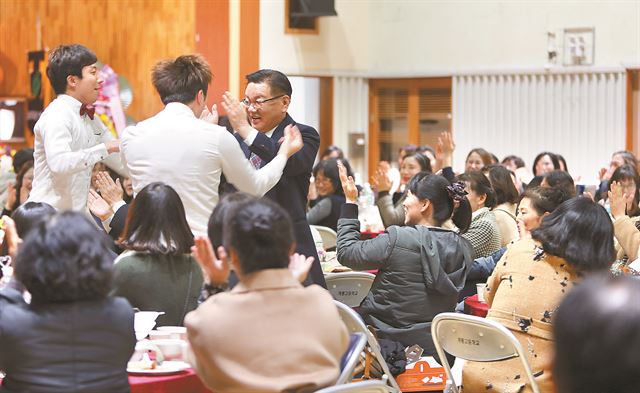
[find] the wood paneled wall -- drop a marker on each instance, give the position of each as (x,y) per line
(129,35)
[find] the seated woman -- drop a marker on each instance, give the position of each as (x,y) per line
(483,232)
(158,273)
(544,163)
(390,206)
(560,179)
(535,204)
(618,159)
(325,209)
(19,192)
(421,266)
(269,333)
(528,284)
(623,201)
(506,198)
(477,159)
(73,337)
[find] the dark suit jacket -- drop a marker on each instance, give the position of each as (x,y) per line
(292,189)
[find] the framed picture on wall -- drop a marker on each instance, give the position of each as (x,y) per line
(579,46)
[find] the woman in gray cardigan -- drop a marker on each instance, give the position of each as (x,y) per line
(421,266)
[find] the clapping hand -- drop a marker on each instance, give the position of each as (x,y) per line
(381,180)
(617,200)
(348,184)
(292,141)
(237,114)
(215,270)
(111,191)
(299,266)
(210,116)
(444,150)
(98,206)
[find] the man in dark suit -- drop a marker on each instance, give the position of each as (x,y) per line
(267,98)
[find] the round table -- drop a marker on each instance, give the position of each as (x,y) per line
(474,307)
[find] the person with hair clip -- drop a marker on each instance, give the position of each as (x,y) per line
(529,282)
(421,266)
(390,206)
(157,272)
(269,333)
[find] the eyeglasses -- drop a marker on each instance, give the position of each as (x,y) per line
(258,103)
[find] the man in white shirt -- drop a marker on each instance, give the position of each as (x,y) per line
(69,140)
(180,149)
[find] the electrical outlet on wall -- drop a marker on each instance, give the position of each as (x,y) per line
(579,46)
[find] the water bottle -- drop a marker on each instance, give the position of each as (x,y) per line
(366,196)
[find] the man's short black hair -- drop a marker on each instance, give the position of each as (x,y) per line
(68,60)
(277,81)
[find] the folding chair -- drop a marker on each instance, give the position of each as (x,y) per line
(476,339)
(354,324)
(328,235)
(349,288)
(351,357)
(372,386)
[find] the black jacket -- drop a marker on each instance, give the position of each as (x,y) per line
(67,347)
(292,189)
(421,271)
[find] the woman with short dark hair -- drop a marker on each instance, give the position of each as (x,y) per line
(529,282)
(545,162)
(73,337)
(325,209)
(157,273)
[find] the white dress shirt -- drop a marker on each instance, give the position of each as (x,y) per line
(66,148)
(178,149)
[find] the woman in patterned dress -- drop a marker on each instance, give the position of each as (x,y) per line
(530,281)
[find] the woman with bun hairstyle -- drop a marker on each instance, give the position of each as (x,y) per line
(421,266)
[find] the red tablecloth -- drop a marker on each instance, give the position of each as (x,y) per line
(473,307)
(184,382)
(369,235)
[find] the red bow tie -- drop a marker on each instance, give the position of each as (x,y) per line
(88,110)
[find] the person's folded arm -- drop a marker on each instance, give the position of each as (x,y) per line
(355,253)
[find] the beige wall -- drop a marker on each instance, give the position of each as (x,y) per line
(423,37)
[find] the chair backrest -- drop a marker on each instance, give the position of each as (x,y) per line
(349,288)
(351,357)
(371,386)
(328,235)
(476,339)
(354,324)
